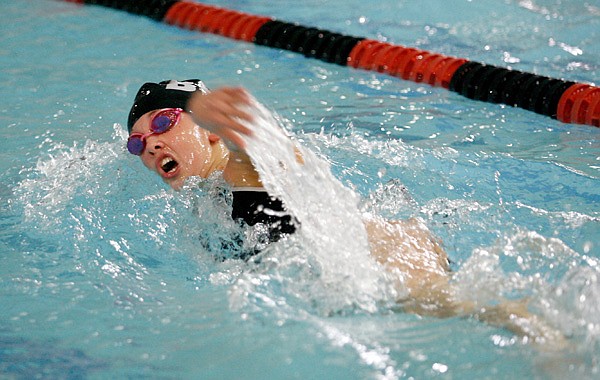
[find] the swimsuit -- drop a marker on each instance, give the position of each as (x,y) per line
(255,205)
(267,220)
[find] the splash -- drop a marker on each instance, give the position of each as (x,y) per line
(64,173)
(331,246)
(95,211)
(83,194)
(560,284)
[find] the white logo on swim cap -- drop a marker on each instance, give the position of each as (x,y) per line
(189,86)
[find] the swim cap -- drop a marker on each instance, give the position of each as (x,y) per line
(166,94)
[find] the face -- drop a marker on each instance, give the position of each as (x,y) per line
(183,151)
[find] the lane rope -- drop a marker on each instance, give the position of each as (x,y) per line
(567,101)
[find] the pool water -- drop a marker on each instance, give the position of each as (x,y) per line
(105,271)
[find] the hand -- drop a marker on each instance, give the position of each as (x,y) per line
(221,112)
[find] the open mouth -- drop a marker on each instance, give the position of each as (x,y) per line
(169,165)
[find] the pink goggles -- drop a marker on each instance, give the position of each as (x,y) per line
(163,121)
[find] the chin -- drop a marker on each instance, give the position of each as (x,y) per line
(176,184)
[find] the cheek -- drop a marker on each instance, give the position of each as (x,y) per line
(197,145)
(200,142)
(199,159)
(147,162)
(200,154)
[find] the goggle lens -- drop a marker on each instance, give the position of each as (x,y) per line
(161,123)
(135,145)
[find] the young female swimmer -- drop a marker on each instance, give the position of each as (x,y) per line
(179,129)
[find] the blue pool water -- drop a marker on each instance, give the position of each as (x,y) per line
(102,274)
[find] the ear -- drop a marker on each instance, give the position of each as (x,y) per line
(212,138)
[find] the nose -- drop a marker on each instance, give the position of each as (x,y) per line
(153,145)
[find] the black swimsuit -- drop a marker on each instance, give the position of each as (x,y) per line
(257,206)
(252,206)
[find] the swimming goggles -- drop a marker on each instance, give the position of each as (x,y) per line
(163,121)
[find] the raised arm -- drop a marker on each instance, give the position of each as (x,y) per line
(221,112)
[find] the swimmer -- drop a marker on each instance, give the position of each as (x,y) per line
(170,142)
(180,129)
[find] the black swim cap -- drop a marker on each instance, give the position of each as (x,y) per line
(166,94)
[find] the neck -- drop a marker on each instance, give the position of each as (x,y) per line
(220,157)
(240,172)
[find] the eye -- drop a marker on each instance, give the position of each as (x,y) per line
(161,123)
(135,145)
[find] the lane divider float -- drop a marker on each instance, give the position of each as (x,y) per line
(567,101)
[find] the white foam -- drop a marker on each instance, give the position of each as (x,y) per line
(63,173)
(331,229)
